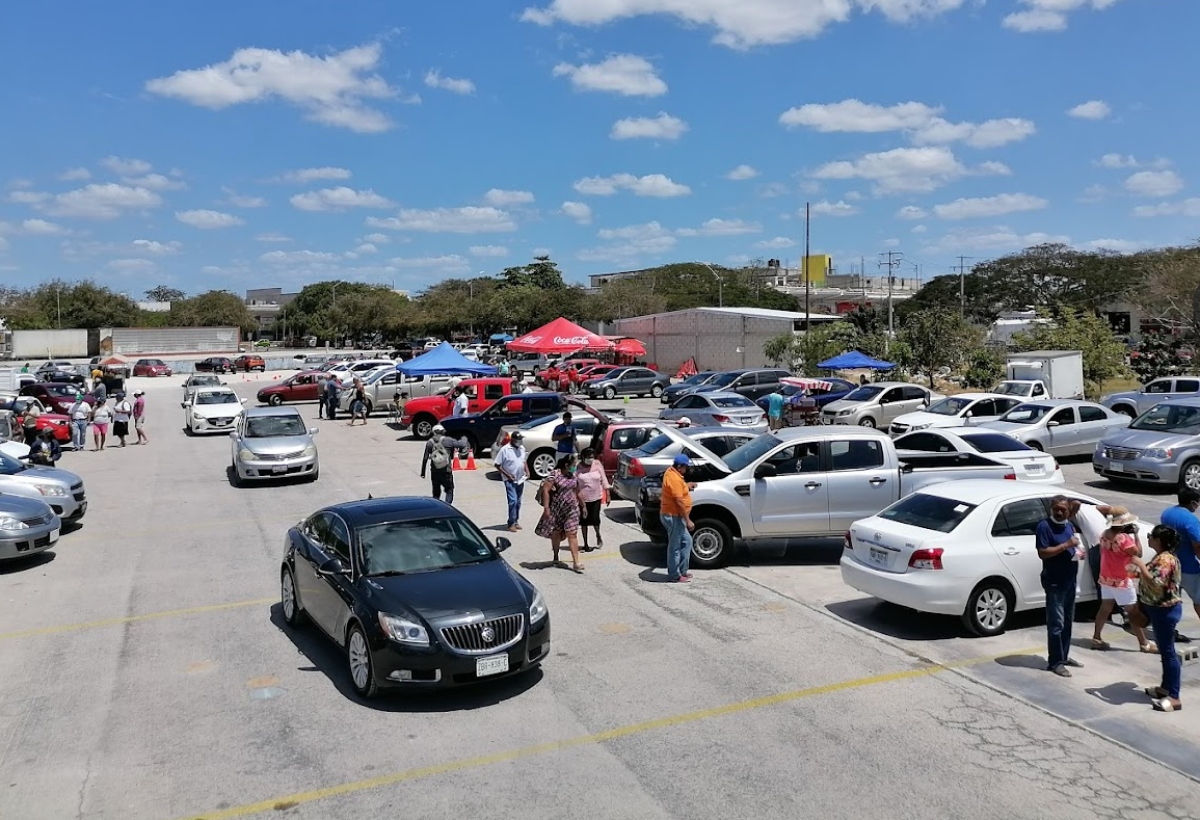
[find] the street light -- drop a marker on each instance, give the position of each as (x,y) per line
(720,284)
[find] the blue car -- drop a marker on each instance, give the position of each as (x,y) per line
(840,389)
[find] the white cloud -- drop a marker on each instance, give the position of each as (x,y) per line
(75,175)
(240,201)
(489,250)
(502,198)
(297,257)
(987,134)
(919,229)
(838,208)
(1118,161)
(131,266)
(662,127)
(469,219)
(853,196)
(24,197)
(891,243)
(625,74)
(4,244)
(742,172)
(989,206)
(742,24)
(434,79)
(1048,15)
(155,182)
(96,201)
(40,227)
(1154,183)
(338,199)
(920,121)
(1117,245)
(450,263)
(126,167)
(377,238)
(1091,110)
(303,176)
(629,243)
(906,170)
(151,247)
(364,248)
(772,190)
(1187,207)
(777,244)
(272,236)
(656,185)
(722,227)
(331,90)
(208,220)
(998,238)
(581,212)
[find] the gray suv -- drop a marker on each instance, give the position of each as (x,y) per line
(1135,402)
(628,381)
(753,383)
(1162,446)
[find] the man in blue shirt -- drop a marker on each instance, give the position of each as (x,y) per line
(566,437)
(775,410)
(1058,547)
(1182,519)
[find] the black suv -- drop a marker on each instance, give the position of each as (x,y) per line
(752,383)
(481,429)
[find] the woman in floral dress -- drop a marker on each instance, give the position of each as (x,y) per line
(1158,594)
(561,509)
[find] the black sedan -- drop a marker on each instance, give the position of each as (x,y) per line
(216,364)
(415,594)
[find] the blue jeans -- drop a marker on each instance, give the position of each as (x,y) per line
(331,404)
(1060,614)
(513,493)
(79,433)
(679,546)
(1163,620)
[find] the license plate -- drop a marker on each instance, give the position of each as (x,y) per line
(1116,468)
(494,665)
(279,469)
(1035,469)
(53,536)
(878,556)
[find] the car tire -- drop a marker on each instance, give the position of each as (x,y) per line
(315,474)
(472,444)
(542,463)
(712,544)
(238,481)
(989,608)
(1125,410)
(1189,475)
(656,391)
(360,664)
(610,392)
(275,400)
(422,426)
(369,406)
(1035,445)
(867,422)
(289,599)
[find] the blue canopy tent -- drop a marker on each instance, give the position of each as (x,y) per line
(853,360)
(444,359)
(500,338)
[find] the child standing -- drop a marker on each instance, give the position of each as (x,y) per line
(1117,587)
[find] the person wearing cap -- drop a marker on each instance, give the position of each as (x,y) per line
(1116,585)
(122,412)
(675,511)
(45,450)
(438,451)
(514,470)
(685,422)
(139,416)
(81,415)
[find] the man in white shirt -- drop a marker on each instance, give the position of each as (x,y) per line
(510,461)
(81,414)
(1092,521)
(461,403)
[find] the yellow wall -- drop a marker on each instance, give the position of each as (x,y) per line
(816,268)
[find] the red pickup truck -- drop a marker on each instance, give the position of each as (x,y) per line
(421,414)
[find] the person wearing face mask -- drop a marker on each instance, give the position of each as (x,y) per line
(561,510)
(676,514)
(1060,550)
(593,491)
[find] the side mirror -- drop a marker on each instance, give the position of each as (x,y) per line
(1052,424)
(331,568)
(233,434)
(766,471)
(502,544)
(312,431)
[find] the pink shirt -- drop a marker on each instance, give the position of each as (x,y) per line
(139,407)
(1114,555)
(592,482)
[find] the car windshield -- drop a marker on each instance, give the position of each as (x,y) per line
(1027,413)
(10,466)
(155,362)
(538,422)
(271,426)
(751,452)
(731,401)
(863,394)
(724,379)
(994,442)
(197,381)
(929,512)
(216,398)
(949,407)
(401,547)
(1013,389)
(1169,418)
(55,389)
(699,378)
(657,444)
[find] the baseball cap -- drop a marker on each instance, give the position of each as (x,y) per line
(517,435)
(139,392)
(685,420)
(437,428)
(682,460)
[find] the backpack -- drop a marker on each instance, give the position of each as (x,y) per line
(439,458)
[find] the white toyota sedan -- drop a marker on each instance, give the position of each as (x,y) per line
(1028,463)
(212,410)
(961,548)
(955,411)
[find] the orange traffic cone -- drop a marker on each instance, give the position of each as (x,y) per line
(470,460)
(456,464)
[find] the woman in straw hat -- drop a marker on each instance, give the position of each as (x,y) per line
(1117,585)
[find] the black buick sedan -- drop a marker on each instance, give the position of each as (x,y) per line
(415,594)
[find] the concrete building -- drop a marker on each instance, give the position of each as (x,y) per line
(720,338)
(265,305)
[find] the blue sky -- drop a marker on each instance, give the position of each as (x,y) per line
(252,144)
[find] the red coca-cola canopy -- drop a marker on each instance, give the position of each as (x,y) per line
(631,347)
(560,336)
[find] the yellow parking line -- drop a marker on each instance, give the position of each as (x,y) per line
(292,800)
(133,619)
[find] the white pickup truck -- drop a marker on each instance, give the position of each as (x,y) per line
(802,482)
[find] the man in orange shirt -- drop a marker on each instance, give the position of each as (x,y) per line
(676,514)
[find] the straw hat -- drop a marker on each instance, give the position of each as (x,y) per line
(1121,517)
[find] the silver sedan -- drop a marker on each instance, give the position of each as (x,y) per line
(717,409)
(1061,427)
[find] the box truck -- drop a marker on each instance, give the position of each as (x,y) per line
(1044,374)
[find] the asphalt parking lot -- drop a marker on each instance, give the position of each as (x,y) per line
(147,673)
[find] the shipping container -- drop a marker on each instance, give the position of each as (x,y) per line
(145,341)
(49,344)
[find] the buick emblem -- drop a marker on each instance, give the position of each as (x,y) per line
(488,634)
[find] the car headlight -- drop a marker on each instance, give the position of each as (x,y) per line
(916,427)
(310,451)
(844,412)
(7,522)
(197,417)
(1159,452)
(49,489)
(538,609)
(246,455)
(403,630)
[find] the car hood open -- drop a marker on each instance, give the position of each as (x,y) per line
(445,593)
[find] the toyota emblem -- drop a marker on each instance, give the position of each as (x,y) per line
(488,634)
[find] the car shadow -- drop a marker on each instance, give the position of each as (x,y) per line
(27,562)
(805,552)
(326,658)
(1107,485)
(907,624)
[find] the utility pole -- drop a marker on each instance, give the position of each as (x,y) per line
(807,281)
(893,260)
(962,284)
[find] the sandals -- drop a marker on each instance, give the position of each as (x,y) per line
(1165,705)
(1149,648)
(1155,692)
(578,568)
(1101,646)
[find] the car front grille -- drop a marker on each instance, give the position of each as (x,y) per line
(222,422)
(38,520)
(1121,453)
(486,636)
(280,456)
(898,429)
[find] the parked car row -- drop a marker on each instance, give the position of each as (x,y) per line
(35,502)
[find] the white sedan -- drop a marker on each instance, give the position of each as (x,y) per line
(961,548)
(212,410)
(955,411)
(1029,464)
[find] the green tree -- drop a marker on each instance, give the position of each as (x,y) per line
(215,308)
(1103,353)
(162,293)
(985,368)
(540,273)
(1156,355)
(936,340)
(81,305)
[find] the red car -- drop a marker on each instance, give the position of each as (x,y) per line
(302,387)
(250,362)
(151,367)
(60,423)
(422,413)
(57,397)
